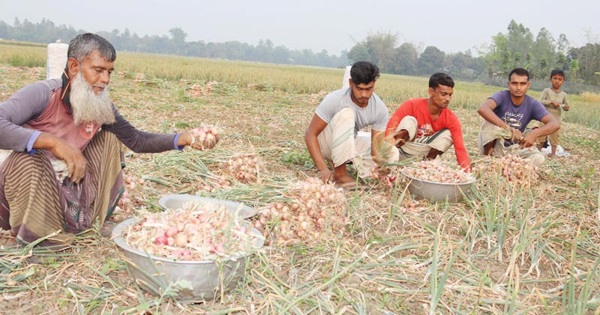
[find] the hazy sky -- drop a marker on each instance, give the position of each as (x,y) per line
(451,26)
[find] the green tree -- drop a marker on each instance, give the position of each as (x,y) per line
(406,59)
(544,49)
(178,38)
(574,69)
(495,58)
(588,58)
(431,60)
(381,47)
(359,52)
(462,65)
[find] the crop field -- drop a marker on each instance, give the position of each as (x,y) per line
(526,246)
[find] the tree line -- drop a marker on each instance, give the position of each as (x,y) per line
(517,47)
(175,44)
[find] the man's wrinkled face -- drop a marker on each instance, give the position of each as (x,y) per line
(96,71)
(89,91)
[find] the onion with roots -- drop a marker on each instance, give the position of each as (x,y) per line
(313,210)
(244,167)
(204,137)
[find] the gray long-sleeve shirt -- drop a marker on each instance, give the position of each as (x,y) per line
(30,102)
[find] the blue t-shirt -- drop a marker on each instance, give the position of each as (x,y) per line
(375,114)
(520,116)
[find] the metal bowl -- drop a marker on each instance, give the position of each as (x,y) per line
(184,280)
(177,201)
(437,192)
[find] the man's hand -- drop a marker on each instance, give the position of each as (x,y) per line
(566,108)
(74,159)
(400,138)
(516,135)
(326,176)
(201,138)
(528,140)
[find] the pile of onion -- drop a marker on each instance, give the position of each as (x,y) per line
(244,167)
(193,232)
(204,137)
(130,182)
(384,174)
(437,171)
(314,210)
(515,169)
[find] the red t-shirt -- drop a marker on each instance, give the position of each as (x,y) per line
(417,107)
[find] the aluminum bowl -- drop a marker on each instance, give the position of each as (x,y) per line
(158,275)
(438,192)
(177,201)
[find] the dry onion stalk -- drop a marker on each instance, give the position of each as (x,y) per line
(314,209)
(204,137)
(437,171)
(217,182)
(194,232)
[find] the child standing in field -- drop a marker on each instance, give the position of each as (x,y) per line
(555,100)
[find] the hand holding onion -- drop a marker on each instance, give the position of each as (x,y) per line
(203,137)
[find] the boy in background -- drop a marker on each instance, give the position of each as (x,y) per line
(555,100)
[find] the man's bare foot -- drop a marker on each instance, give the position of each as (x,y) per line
(348,183)
(344,179)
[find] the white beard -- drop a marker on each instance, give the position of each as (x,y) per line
(89,107)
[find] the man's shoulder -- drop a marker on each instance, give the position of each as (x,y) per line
(50,84)
(500,97)
(532,100)
(40,90)
(335,95)
(414,102)
(501,93)
(338,93)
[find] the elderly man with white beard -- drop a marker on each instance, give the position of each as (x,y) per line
(64,170)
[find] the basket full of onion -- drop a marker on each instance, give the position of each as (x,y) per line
(192,253)
(437,181)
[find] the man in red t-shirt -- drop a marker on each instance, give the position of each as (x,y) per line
(425,127)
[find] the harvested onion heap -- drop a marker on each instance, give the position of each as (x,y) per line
(512,167)
(204,137)
(244,167)
(130,182)
(437,171)
(384,174)
(314,210)
(193,232)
